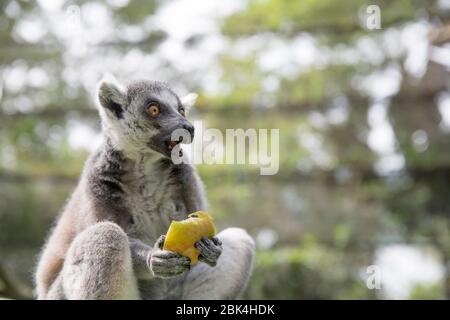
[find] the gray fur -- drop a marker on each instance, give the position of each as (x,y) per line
(105,243)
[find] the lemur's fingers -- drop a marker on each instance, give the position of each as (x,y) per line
(169,268)
(160,242)
(166,255)
(210,250)
(171,264)
(217,241)
(166,264)
(157,247)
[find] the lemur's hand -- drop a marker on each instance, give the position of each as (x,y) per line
(210,250)
(167,264)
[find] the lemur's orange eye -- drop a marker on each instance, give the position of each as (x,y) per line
(182,112)
(153,109)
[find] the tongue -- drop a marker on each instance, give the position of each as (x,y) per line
(173,143)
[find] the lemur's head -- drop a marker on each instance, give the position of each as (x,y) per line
(141,117)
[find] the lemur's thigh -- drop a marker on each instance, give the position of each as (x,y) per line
(98,265)
(56,291)
(230,276)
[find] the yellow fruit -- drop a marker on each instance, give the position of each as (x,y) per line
(182,235)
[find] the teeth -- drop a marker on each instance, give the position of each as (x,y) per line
(171,144)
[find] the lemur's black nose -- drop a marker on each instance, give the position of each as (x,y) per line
(189,127)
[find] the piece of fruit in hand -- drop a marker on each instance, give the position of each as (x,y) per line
(182,235)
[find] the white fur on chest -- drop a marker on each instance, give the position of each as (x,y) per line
(153,201)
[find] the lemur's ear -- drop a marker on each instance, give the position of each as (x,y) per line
(189,100)
(111,95)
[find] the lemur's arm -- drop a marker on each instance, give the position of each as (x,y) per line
(140,253)
(191,187)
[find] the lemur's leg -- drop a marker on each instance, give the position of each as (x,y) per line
(229,277)
(56,291)
(98,265)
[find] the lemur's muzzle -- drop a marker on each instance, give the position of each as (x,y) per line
(190,128)
(188,134)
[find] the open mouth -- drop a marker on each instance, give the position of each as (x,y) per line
(171,144)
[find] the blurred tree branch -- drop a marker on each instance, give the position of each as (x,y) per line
(361,173)
(290,107)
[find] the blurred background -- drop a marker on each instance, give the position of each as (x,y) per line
(364,119)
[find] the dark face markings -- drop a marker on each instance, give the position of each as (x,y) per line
(155,113)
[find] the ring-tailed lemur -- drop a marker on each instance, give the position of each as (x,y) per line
(107,242)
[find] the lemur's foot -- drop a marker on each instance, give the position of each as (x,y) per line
(210,250)
(167,264)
